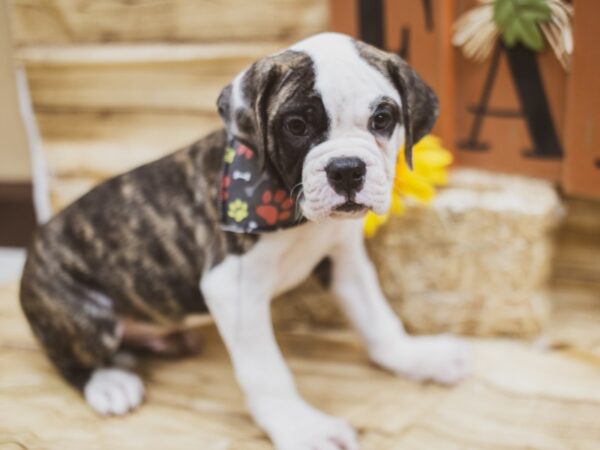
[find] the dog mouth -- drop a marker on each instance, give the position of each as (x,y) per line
(350,206)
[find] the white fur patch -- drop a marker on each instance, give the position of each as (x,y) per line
(112,391)
(238,289)
(347,83)
(319,196)
(238,292)
(348,86)
(443,359)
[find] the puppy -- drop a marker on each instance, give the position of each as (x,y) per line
(323,121)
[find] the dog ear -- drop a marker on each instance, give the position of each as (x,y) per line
(420,106)
(224,105)
(244,105)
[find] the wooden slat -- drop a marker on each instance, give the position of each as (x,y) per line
(578,243)
(64,191)
(101,145)
(83,149)
(152,53)
(582,215)
(14,161)
(141,78)
(62,21)
(126,88)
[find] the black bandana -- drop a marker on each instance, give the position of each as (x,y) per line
(252,200)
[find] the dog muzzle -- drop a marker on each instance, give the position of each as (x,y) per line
(252,200)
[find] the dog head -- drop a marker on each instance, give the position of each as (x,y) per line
(327,116)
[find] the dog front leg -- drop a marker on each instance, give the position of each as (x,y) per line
(441,358)
(237,294)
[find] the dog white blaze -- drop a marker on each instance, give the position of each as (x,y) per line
(237,102)
(348,86)
(239,289)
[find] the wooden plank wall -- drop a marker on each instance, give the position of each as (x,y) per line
(117,83)
(93,21)
(14,161)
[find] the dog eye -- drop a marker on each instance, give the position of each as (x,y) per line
(296,126)
(381,121)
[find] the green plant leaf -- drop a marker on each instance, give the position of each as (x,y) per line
(531,36)
(518,21)
(532,15)
(503,11)
(511,35)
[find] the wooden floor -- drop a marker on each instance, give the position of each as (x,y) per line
(537,395)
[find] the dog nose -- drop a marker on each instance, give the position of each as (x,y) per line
(346,175)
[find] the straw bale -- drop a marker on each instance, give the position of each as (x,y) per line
(475,262)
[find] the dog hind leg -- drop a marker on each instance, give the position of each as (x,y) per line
(80,333)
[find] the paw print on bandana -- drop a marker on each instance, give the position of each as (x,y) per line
(245,152)
(275,207)
(238,210)
(229,155)
(224,187)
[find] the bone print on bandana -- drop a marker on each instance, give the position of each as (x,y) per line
(253,200)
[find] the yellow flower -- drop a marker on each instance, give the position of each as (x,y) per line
(229,155)
(430,160)
(238,210)
(373,222)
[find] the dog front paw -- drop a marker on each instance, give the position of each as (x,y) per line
(314,430)
(298,426)
(442,358)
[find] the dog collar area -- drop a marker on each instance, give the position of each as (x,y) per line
(252,200)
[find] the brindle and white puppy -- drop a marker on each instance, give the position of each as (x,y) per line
(329,115)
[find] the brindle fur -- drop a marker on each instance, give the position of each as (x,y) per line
(134,247)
